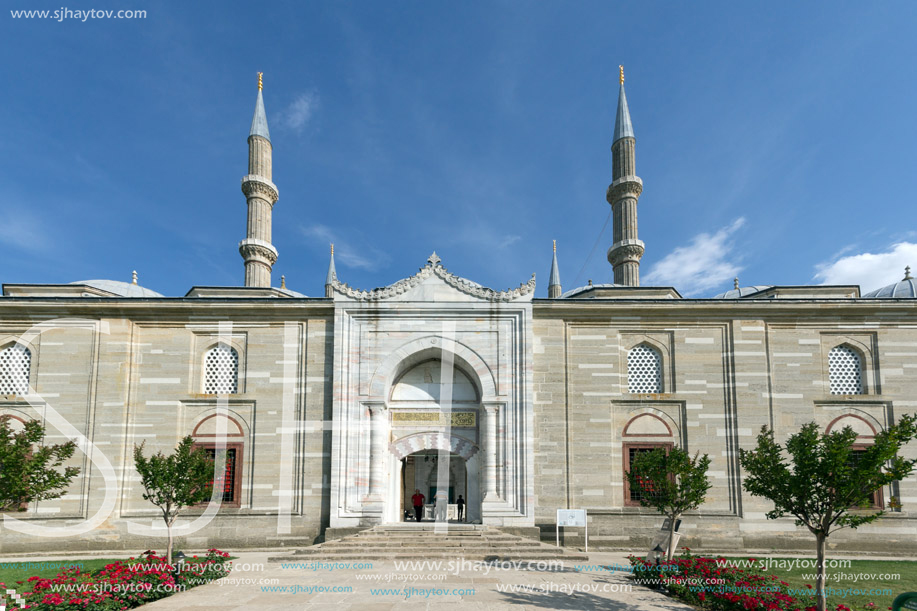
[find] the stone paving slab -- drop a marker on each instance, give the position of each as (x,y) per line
(562,588)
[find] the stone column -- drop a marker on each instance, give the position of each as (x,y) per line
(378,427)
(490,451)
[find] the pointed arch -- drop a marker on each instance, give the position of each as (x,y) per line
(433,441)
(644,369)
(15,369)
(845,370)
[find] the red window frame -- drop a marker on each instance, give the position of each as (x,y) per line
(628,500)
(234,481)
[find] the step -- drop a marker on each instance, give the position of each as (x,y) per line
(566,557)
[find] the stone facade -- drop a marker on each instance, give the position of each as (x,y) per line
(325,407)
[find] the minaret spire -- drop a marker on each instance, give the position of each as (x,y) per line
(554,290)
(261,194)
(624,191)
(331,277)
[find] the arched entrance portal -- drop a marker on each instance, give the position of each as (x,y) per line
(440,477)
(441,468)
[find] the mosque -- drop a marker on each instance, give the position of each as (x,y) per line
(331,410)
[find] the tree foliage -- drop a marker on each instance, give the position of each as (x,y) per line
(825,482)
(30,471)
(176,481)
(670,481)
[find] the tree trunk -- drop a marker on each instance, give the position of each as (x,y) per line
(820,540)
(169,548)
(672,520)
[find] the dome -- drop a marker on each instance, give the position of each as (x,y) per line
(744,291)
(903,289)
(121,289)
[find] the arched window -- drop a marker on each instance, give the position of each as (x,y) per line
(644,370)
(221,370)
(845,371)
(15,369)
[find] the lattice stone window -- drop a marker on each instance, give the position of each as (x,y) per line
(844,371)
(221,371)
(644,370)
(15,367)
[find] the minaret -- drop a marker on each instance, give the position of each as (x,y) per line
(331,277)
(623,193)
(554,289)
(257,250)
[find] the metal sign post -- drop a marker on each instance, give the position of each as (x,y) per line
(571,517)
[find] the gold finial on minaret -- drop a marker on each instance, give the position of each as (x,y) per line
(621,73)
(332,249)
(555,245)
(261,83)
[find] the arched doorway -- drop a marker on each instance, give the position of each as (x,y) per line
(433,463)
(442,478)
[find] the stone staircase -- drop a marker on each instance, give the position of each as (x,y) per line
(419,541)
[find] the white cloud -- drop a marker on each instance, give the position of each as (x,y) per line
(870,270)
(345,253)
(298,113)
(705,263)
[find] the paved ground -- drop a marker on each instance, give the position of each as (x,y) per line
(385,586)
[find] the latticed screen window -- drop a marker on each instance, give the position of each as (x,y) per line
(15,367)
(844,371)
(644,370)
(221,371)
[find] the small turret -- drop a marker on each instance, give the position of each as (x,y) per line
(331,277)
(554,290)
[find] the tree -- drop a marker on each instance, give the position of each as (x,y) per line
(825,484)
(174,482)
(671,481)
(29,471)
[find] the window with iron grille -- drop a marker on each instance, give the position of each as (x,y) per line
(221,371)
(631,450)
(644,370)
(845,371)
(229,481)
(15,369)
(874,498)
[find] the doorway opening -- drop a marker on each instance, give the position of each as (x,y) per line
(442,479)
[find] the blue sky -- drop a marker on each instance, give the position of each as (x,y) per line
(776,142)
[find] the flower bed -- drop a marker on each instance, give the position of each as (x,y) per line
(120,585)
(710,583)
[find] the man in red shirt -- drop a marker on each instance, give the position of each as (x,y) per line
(418,500)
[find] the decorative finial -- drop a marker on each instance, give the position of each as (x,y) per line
(621,73)
(907,273)
(434,259)
(261,83)
(134,277)
(590,282)
(332,249)
(735,283)
(555,245)
(283,281)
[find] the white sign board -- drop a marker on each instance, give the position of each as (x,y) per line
(572,518)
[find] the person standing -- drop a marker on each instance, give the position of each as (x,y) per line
(418,500)
(461,508)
